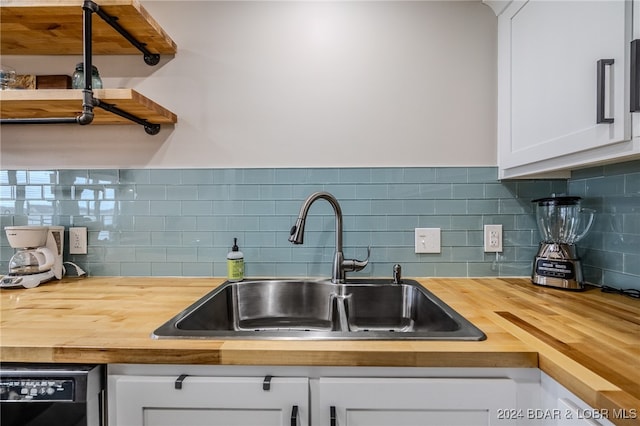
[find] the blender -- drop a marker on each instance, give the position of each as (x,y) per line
(562,223)
(38,256)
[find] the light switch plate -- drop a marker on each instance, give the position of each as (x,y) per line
(427,240)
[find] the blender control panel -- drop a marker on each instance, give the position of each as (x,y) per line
(555,269)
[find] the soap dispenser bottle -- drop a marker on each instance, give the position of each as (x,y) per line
(235,263)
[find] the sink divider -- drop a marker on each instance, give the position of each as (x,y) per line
(342,311)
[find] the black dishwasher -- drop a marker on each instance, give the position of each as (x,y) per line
(52,394)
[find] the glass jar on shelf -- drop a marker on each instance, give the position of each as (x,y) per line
(77,81)
(7,77)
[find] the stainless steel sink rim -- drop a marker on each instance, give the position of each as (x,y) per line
(337,326)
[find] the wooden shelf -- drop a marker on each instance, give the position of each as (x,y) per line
(68,103)
(54,27)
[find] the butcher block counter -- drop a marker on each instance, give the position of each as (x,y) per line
(588,341)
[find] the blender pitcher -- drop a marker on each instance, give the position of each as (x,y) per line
(562,220)
(562,223)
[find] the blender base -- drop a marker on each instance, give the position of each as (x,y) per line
(557,265)
(562,283)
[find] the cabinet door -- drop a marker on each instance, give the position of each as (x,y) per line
(414,401)
(569,410)
(548,82)
(211,401)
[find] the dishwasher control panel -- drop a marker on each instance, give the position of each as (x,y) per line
(36,389)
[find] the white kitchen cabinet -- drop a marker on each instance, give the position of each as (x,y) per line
(203,400)
(414,401)
(563,408)
(548,102)
(392,396)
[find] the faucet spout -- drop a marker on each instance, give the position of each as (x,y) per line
(297,231)
(340,265)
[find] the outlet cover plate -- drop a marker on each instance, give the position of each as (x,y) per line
(493,238)
(78,240)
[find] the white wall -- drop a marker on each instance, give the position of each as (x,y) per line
(292,84)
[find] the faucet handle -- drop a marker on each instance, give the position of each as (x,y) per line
(352,265)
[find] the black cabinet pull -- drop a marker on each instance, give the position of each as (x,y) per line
(332,412)
(601,88)
(178,383)
(266,383)
(635,76)
(294,416)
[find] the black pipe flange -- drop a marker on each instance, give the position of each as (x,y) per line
(152,59)
(152,129)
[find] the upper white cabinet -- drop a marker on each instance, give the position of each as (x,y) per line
(563,85)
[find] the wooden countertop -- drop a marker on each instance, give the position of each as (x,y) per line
(588,341)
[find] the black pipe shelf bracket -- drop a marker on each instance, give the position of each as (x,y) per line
(89,7)
(150,128)
(88,100)
(149,57)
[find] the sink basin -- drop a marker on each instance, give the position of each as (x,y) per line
(264,306)
(369,309)
(400,308)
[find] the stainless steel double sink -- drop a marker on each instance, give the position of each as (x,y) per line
(303,309)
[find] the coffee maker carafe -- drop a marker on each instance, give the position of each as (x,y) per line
(562,223)
(38,256)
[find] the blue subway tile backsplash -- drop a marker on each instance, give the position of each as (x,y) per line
(611,251)
(181,222)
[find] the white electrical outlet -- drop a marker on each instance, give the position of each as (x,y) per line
(78,240)
(427,240)
(493,238)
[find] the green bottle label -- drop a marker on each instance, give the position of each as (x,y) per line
(235,269)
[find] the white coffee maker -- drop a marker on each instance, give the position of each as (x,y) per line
(38,256)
